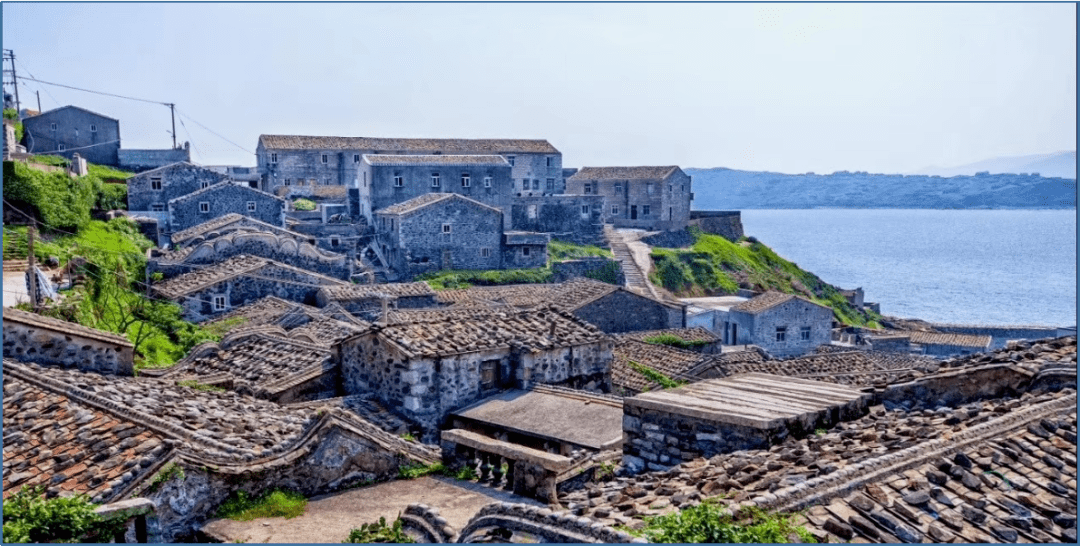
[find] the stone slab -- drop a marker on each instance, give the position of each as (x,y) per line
(583,421)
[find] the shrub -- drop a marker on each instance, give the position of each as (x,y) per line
(379,532)
(193,384)
(408,472)
(656,377)
(674,341)
(609,273)
(274,503)
(12,114)
(464,278)
(708,522)
(30,517)
(53,197)
(303,204)
(170,471)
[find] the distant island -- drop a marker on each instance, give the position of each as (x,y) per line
(722,188)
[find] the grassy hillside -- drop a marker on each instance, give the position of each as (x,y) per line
(715,266)
(59,200)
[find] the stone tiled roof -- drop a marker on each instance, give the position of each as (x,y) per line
(764,301)
(54,441)
(537,329)
(669,361)
(262,311)
(435,160)
(327,330)
(364,406)
(174,166)
(961,340)
(224,220)
(696,333)
(204,192)
(428,199)
(857,368)
(47,112)
(416,145)
(57,325)
(572,294)
(460,311)
(236,266)
(205,227)
(346,292)
(624,173)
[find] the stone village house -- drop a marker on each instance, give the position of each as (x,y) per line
(70,129)
(152,190)
(220,199)
(782,324)
(654,198)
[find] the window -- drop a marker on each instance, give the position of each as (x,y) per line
(60,147)
(485,252)
(531,211)
(804,333)
(251,206)
(509,158)
(288,182)
(356,158)
(487,181)
(488,369)
(325,158)
(435,180)
(93,128)
(155,183)
(618,188)
(644,210)
(446,228)
(524,251)
(273,158)
(204,207)
(584,210)
(649,188)
(588,188)
(781,333)
(158,207)
(219,303)
(614,209)
(52,126)
(550,161)
(399,181)
(76,132)
(466,181)
(536,184)
(205,184)
(334,242)
(551,184)
(391,224)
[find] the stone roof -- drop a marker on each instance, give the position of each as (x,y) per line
(435,160)
(535,329)
(203,192)
(364,406)
(224,220)
(47,112)
(265,310)
(326,330)
(856,368)
(177,165)
(960,340)
(766,301)
(346,292)
(63,326)
(459,311)
(669,361)
(624,173)
(236,266)
(419,145)
(696,333)
(428,199)
(572,294)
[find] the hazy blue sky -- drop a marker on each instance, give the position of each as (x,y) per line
(790,88)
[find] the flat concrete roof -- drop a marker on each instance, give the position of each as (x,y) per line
(715,303)
(755,400)
(583,420)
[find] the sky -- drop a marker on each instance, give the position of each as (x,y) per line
(889,88)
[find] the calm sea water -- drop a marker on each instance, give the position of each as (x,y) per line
(1000,267)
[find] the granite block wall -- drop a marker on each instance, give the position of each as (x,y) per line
(624,311)
(574,218)
(727,224)
(142,160)
(35,344)
(176,181)
(223,199)
(92,136)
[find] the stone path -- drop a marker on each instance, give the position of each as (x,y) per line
(633,255)
(329,518)
(15,288)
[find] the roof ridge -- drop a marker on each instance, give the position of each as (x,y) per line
(220,185)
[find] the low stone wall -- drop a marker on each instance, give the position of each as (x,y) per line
(141,524)
(999,334)
(602,269)
(531,472)
(727,224)
(143,160)
(959,387)
(29,343)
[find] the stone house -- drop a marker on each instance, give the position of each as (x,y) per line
(215,289)
(69,129)
(143,160)
(948,344)
(387,180)
(286,159)
(654,198)
(221,199)
(30,337)
(429,367)
(782,324)
(372,301)
(574,218)
(152,190)
(524,250)
(231,223)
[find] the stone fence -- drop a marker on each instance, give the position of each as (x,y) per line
(141,523)
(529,472)
(725,223)
(602,269)
(504,520)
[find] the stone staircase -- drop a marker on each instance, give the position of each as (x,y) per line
(636,279)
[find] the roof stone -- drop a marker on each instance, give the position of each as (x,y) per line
(435,160)
(49,323)
(624,173)
(428,199)
(413,145)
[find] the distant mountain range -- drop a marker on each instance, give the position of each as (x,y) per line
(728,189)
(1059,164)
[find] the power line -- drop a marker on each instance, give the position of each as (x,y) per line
(190,139)
(46,89)
(92,91)
(183,115)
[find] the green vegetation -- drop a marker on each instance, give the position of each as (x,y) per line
(408,437)
(674,341)
(715,266)
(656,377)
(708,522)
(464,278)
(820,431)
(13,115)
(274,503)
(465,473)
(605,471)
(193,384)
(303,204)
(560,251)
(379,532)
(58,200)
(169,472)
(408,472)
(30,517)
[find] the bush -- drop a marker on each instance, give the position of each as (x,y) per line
(674,341)
(12,114)
(303,204)
(379,532)
(708,522)
(55,198)
(112,197)
(274,503)
(29,517)
(408,472)
(464,278)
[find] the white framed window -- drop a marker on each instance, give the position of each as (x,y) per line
(325,158)
(618,187)
(155,183)
(251,206)
(158,207)
(219,303)
(52,126)
(614,209)
(781,333)
(204,207)
(509,158)
(487,181)
(584,210)
(399,181)
(356,158)
(466,180)
(485,252)
(804,333)
(93,128)
(550,161)
(61,147)
(644,210)
(435,180)
(273,158)
(446,228)
(205,184)
(288,182)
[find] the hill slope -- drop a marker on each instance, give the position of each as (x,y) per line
(1058,164)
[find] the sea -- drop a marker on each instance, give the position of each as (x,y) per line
(988,267)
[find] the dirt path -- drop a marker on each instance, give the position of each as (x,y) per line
(329,518)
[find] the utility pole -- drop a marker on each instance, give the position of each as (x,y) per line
(38,93)
(9,55)
(172,110)
(30,272)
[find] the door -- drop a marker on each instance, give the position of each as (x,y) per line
(734,334)
(633,212)
(447,259)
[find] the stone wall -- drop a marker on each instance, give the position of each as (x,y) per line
(31,343)
(73,132)
(602,269)
(279,248)
(1000,334)
(417,180)
(222,199)
(176,181)
(670,239)
(347,236)
(142,160)
(760,329)
(624,311)
(474,240)
(584,367)
(285,283)
(653,204)
(892,344)
(727,224)
(561,216)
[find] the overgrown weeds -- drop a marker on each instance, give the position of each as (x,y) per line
(709,522)
(674,341)
(379,532)
(274,503)
(408,472)
(30,517)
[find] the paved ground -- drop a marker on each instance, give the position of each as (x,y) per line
(329,518)
(15,288)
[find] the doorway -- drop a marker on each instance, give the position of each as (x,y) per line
(633,212)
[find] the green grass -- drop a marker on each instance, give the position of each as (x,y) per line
(379,532)
(408,472)
(464,278)
(274,503)
(709,522)
(560,251)
(193,384)
(106,172)
(674,341)
(303,204)
(716,266)
(656,377)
